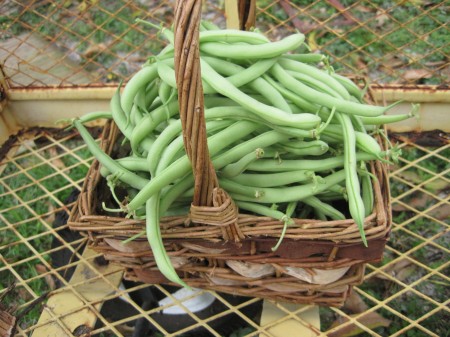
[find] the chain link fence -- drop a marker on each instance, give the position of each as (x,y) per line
(98,43)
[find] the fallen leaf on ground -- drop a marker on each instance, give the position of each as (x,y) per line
(441,212)
(57,162)
(42,270)
(400,270)
(434,185)
(371,320)
(381,18)
(355,304)
(50,217)
(94,50)
(416,74)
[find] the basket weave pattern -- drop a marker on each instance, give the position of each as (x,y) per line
(215,246)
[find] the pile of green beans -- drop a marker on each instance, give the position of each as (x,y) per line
(288,137)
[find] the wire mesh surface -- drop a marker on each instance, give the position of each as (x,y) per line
(406,295)
(97,43)
(89,43)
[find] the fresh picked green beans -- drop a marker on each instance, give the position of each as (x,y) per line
(286,136)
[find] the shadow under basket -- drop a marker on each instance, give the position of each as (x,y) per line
(317,262)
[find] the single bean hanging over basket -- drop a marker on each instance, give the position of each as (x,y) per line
(235,164)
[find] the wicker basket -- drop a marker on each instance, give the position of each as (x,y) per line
(216,247)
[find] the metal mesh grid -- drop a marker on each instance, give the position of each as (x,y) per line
(97,43)
(409,289)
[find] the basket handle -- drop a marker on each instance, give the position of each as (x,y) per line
(211,204)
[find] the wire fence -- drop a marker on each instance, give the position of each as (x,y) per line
(92,43)
(97,42)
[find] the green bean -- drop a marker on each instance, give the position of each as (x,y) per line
(314,83)
(315,73)
(247,51)
(92,116)
(176,146)
(317,165)
(238,112)
(328,101)
(233,36)
(146,75)
(130,163)
(147,124)
(119,115)
(167,74)
(387,119)
(182,166)
(234,169)
(306,58)
(366,183)
(269,113)
(260,141)
(124,175)
(277,195)
(155,240)
(304,148)
(325,208)
(175,191)
(213,33)
(239,76)
(356,204)
(364,141)
(272,179)
(139,107)
(367,191)
(287,221)
(135,115)
(86,118)
(261,209)
(151,93)
(348,84)
(212,101)
(208,25)
(165,92)
(339,190)
(296,99)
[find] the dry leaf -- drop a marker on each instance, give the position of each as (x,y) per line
(363,9)
(178,261)
(251,270)
(312,43)
(283,287)
(416,74)
(92,50)
(434,185)
(441,212)
(317,276)
(399,270)
(355,304)
(50,218)
(371,320)
(41,269)
(393,61)
(135,246)
(57,162)
(381,18)
(201,249)
(221,281)
(26,145)
(336,290)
